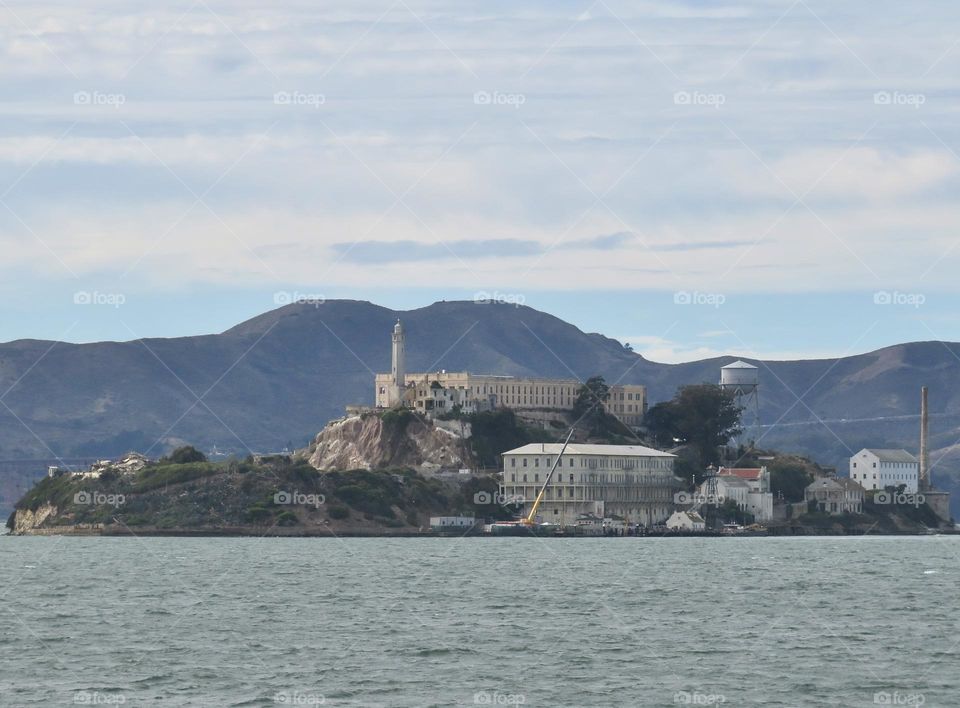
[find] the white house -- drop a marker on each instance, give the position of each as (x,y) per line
(686,521)
(630,481)
(877,469)
(759,498)
(835,495)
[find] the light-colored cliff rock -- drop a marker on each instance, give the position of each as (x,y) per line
(25,520)
(374,441)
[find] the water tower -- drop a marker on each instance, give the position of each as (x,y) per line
(743,381)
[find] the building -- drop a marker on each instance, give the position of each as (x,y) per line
(630,481)
(452,523)
(686,521)
(878,469)
(759,498)
(439,391)
(834,495)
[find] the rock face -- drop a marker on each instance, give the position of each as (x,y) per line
(374,441)
(25,520)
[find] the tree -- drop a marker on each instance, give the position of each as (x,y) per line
(789,479)
(703,415)
(590,401)
(185,454)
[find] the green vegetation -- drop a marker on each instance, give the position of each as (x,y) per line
(704,416)
(185,454)
(274,492)
(495,432)
(789,479)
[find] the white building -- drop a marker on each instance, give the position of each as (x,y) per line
(878,469)
(686,521)
(630,481)
(757,499)
(835,495)
(472,392)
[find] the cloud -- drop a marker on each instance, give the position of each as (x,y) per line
(410,251)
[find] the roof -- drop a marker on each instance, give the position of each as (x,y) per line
(825,482)
(585,449)
(890,455)
(739,365)
(733,481)
(741,472)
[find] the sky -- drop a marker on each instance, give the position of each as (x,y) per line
(770,179)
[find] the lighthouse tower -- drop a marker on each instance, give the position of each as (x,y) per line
(398,371)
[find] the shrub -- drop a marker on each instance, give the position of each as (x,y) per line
(338,512)
(185,454)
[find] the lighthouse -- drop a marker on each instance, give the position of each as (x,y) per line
(398,370)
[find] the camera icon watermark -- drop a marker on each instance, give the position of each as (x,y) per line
(496,98)
(295,498)
(698,698)
(98,98)
(489,498)
(94,297)
(482,297)
(98,698)
(85,498)
(286,297)
(898,98)
(886,698)
(885,498)
(690,498)
(299,98)
(895,297)
(299,698)
(699,98)
(686,297)
(495,698)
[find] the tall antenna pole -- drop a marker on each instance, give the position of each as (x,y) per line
(924,481)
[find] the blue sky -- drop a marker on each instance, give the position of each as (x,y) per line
(772,179)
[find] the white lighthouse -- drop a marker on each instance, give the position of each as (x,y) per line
(398,371)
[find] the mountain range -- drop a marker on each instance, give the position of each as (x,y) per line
(275,380)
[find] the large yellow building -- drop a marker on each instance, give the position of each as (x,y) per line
(438,390)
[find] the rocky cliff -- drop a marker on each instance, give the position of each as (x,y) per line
(391,439)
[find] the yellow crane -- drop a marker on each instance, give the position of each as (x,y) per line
(530,520)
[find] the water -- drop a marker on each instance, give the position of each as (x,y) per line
(507,621)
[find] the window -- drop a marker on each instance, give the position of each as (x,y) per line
(524,461)
(513,461)
(513,477)
(571,462)
(571,478)
(536,461)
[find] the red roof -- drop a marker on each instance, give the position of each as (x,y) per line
(741,472)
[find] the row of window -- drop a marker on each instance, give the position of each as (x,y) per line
(603,462)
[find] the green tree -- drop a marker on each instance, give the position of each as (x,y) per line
(590,401)
(186,454)
(703,415)
(790,480)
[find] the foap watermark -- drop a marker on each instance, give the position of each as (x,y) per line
(285,297)
(895,297)
(299,98)
(487,498)
(698,698)
(899,98)
(98,698)
(99,499)
(685,297)
(699,98)
(497,298)
(99,98)
(683,498)
(496,698)
(886,698)
(496,98)
(299,698)
(296,498)
(95,297)
(886,498)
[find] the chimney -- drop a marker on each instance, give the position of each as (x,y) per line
(924,480)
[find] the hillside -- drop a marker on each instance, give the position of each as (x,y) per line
(273,381)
